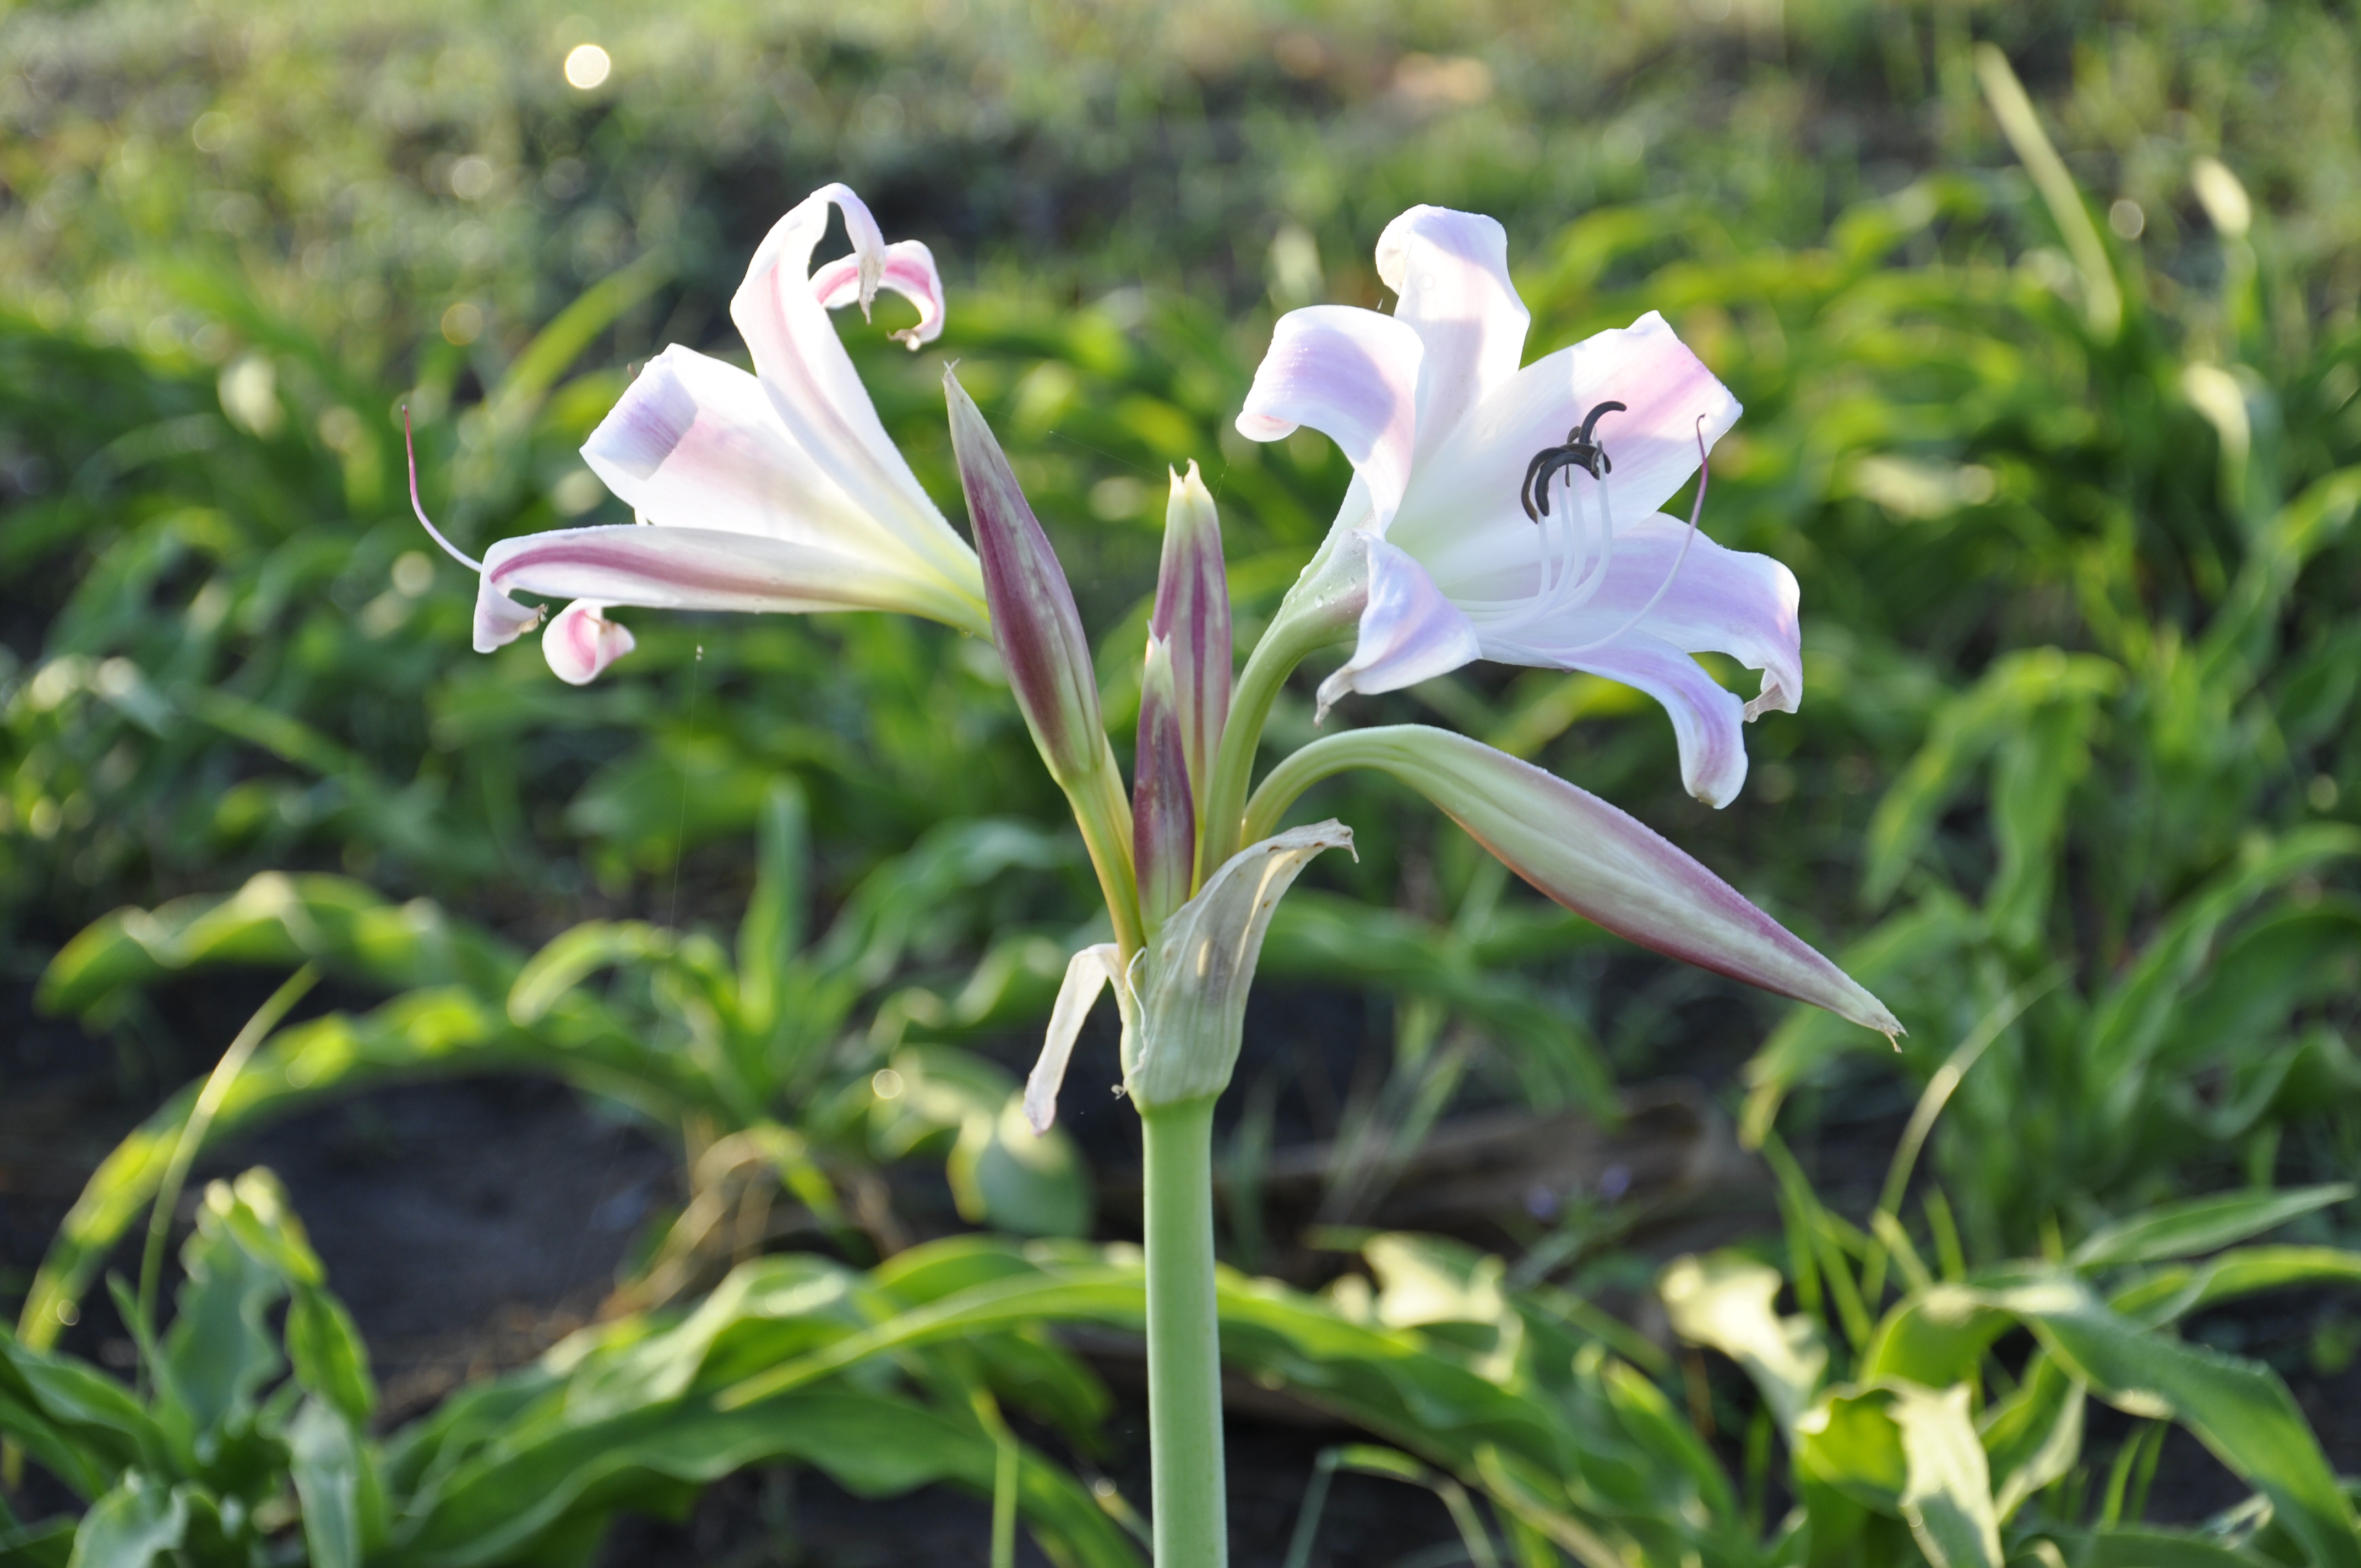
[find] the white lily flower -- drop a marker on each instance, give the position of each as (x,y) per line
(773,491)
(1447,436)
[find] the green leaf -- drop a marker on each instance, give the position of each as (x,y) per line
(2202,1225)
(219,1351)
(329,1357)
(771,934)
(1723,1299)
(131,1526)
(324,1462)
(1948,1500)
(2033,1436)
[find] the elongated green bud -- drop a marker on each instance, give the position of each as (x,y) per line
(1033,614)
(1163,816)
(1193,617)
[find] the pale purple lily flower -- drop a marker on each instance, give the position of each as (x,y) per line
(1443,428)
(774,491)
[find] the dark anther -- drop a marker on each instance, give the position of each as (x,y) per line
(1579,452)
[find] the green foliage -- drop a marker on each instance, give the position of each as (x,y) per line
(220,1458)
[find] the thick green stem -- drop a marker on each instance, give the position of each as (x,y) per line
(1306,623)
(1104,813)
(1184,1352)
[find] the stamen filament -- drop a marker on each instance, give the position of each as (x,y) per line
(411,449)
(1696,513)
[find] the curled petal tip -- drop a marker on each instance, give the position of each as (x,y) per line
(581,641)
(499,619)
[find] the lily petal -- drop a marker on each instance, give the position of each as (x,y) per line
(1086,972)
(695,443)
(581,641)
(1605,865)
(1353,374)
(810,380)
(1451,272)
(1707,720)
(692,568)
(499,619)
(1190,996)
(1461,515)
(1410,632)
(908,269)
(1717,600)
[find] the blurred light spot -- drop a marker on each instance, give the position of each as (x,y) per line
(471,179)
(1775,783)
(1614,1181)
(42,822)
(886,1084)
(1428,81)
(2215,394)
(1911,488)
(1299,54)
(58,680)
(2321,791)
(2126,218)
(68,1314)
(249,395)
(462,323)
(586,65)
(576,493)
(413,574)
(1623,143)
(1296,276)
(116,677)
(340,429)
(2223,196)
(1114,500)
(211,133)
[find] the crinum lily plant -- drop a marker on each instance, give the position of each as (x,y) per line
(1474,529)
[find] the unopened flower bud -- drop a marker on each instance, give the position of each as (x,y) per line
(1033,614)
(1163,820)
(1192,616)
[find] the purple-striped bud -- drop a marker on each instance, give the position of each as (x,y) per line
(1163,815)
(1595,860)
(1192,618)
(1033,614)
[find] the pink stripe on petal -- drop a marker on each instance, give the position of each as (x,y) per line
(695,568)
(1353,376)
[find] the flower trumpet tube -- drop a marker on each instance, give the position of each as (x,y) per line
(1597,862)
(1192,618)
(1510,514)
(1039,633)
(774,491)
